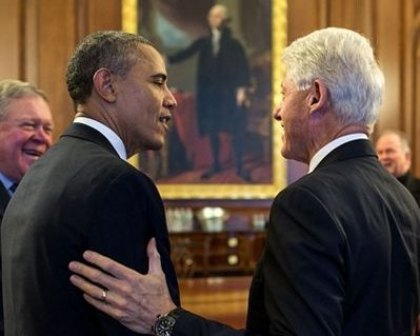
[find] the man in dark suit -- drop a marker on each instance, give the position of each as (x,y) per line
(83,194)
(394,153)
(222,79)
(343,242)
(25,134)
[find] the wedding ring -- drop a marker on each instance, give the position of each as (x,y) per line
(103,297)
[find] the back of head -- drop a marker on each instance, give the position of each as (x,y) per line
(11,89)
(345,62)
(115,50)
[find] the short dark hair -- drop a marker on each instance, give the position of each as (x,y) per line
(115,50)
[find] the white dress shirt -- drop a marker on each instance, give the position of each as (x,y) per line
(108,133)
(216,34)
(329,147)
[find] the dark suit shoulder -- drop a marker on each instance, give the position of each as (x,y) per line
(413,185)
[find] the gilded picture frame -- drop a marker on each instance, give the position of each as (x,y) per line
(231,189)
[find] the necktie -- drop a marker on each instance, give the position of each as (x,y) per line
(13,187)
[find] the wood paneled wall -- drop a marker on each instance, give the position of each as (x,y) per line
(38,36)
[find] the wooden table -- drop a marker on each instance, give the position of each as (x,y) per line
(224,299)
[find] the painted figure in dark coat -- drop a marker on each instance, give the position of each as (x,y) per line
(222,80)
(343,242)
(394,153)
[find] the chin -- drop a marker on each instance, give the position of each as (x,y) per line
(285,153)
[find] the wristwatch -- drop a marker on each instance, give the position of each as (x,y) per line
(165,323)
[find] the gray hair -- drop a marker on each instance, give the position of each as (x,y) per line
(404,141)
(114,50)
(344,60)
(11,89)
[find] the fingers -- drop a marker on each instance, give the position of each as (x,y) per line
(96,277)
(112,304)
(114,268)
(155,266)
(104,307)
(108,265)
(138,326)
(96,292)
(130,297)
(101,305)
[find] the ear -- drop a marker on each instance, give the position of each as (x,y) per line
(317,96)
(103,83)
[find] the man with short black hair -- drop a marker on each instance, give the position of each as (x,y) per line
(84,194)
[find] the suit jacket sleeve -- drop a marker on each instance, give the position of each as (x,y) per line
(129,213)
(189,324)
(186,53)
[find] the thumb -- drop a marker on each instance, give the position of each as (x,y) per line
(155,266)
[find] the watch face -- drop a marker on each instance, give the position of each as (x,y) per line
(164,325)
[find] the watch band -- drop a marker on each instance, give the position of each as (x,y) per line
(165,323)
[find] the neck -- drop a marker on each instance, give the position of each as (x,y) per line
(329,135)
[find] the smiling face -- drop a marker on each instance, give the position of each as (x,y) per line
(294,115)
(25,135)
(392,154)
(144,103)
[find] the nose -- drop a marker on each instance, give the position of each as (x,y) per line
(169,101)
(276,113)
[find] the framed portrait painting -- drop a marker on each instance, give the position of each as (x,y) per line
(224,70)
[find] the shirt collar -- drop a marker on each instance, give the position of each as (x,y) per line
(216,33)
(7,183)
(329,147)
(108,133)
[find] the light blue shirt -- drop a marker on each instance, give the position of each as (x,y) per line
(7,183)
(108,133)
(329,147)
